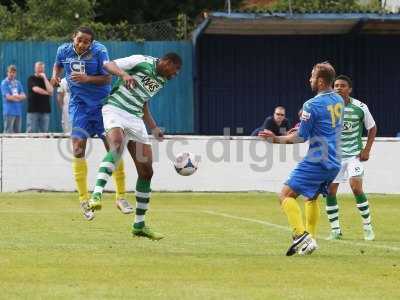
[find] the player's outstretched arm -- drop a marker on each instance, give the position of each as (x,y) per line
(56,77)
(151,124)
(292,138)
(112,68)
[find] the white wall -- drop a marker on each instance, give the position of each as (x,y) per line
(227,164)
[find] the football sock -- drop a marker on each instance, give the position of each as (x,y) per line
(363,207)
(332,210)
(106,169)
(293,213)
(119,180)
(312,216)
(142,201)
(79,169)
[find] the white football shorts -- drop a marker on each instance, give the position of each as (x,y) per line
(351,167)
(134,128)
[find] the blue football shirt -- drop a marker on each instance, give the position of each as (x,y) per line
(11,108)
(91,63)
(321,124)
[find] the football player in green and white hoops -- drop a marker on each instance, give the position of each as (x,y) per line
(125,115)
(356,117)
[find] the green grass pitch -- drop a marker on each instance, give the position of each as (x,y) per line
(217,246)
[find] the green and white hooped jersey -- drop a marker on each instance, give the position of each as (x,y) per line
(148,83)
(356,116)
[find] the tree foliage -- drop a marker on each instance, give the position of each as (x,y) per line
(121,19)
(44,20)
(143,11)
(110,19)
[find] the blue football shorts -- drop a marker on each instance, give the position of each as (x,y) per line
(310,179)
(86,121)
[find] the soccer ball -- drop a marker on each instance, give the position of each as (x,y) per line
(185,164)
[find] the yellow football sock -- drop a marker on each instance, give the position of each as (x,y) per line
(293,213)
(312,216)
(79,168)
(119,180)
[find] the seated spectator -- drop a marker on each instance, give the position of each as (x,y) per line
(277,123)
(13,95)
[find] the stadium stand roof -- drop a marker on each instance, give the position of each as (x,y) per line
(262,22)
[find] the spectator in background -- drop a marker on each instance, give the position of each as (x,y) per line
(13,95)
(39,92)
(277,123)
(63,94)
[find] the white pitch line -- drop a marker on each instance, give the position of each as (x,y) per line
(247,219)
(369,244)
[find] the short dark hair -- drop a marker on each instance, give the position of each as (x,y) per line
(174,58)
(345,78)
(85,29)
(325,71)
(280,107)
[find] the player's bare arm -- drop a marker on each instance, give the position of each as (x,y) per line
(56,77)
(151,124)
(112,68)
(291,138)
(364,155)
(292,131)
